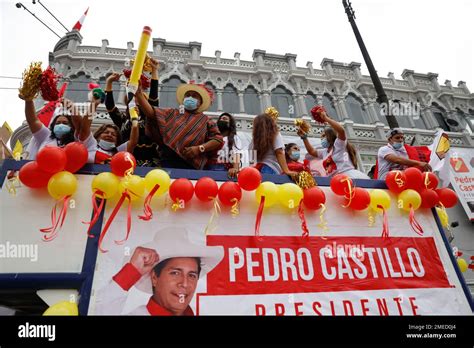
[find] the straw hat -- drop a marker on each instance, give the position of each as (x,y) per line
(206,94)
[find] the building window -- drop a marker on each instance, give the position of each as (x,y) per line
(251,101)
(399,111)
(439,113)
(167,94)
(213,107)
(464,122)
(355,110)
(77,89)
(230,100)
(310,101)
(283,101)
(329,106)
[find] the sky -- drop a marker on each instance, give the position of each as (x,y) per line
(421,35)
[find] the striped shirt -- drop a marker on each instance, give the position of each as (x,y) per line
(178,131)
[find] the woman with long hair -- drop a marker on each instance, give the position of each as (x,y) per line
(292,154)
(230,154)
(268,145)
(60,132)
(339,156)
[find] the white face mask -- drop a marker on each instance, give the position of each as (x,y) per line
(106,145)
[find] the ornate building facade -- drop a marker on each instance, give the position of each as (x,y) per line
(246,88)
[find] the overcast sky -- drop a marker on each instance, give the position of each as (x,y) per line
(422,35)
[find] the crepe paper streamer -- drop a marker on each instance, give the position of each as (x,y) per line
(323,223)
(304,225)
(56,221)
(216,211)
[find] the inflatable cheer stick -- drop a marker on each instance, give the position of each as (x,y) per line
(137,72)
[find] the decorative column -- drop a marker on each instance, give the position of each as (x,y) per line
(241,103)
(219,100)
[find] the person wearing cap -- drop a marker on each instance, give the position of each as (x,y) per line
(168,269)
(394,156)
(187,138)
(60,132)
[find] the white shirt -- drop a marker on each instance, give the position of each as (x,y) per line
(39,140)
(92,147)
(270,158)
(385,166)
(337,160)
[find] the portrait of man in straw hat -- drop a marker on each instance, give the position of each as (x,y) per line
(168,269)
(186,136)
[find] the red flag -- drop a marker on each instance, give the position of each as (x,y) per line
(79,23)
(45,115)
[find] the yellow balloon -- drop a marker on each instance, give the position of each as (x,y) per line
(409,198)
(157,177)
(107,183)
(269,190)
(62,184)
(379,198)
(462,264)
(134,184)
(63,308)
(443,217)
(290,195)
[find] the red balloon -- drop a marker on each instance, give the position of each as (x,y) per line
(429,198)
(360,199)
(51,159)
(249,179)
(181,190)
(122,162)
(77,156)
(396,181)
(313,198)
(430,181)
(206,189)
(447,197)
(340,184)
(33,177)
(229,192)
(414,179)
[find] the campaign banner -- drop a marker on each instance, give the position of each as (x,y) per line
(462,178)
(176,264)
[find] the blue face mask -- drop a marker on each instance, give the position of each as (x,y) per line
(397,146)
(324,143)
(295,155)
(190,103)
(106,145)
(61,130)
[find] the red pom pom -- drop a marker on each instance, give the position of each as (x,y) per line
(316,113)
(48,85)
(144,81)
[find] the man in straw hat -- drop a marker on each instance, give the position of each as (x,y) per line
(168,268)
(187,137)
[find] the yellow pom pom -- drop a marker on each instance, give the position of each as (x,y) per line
(31,81)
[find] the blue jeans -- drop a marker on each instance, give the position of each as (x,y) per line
(267,170)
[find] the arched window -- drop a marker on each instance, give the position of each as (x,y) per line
(251,101)
(400,112)
(439,114)
(329,106)
(283,101)
(230,100)
(310,101)
(213,106)
(167,95)
(77,89)
(464,122)
(355,110)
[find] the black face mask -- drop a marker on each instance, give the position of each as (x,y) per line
(223,126)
